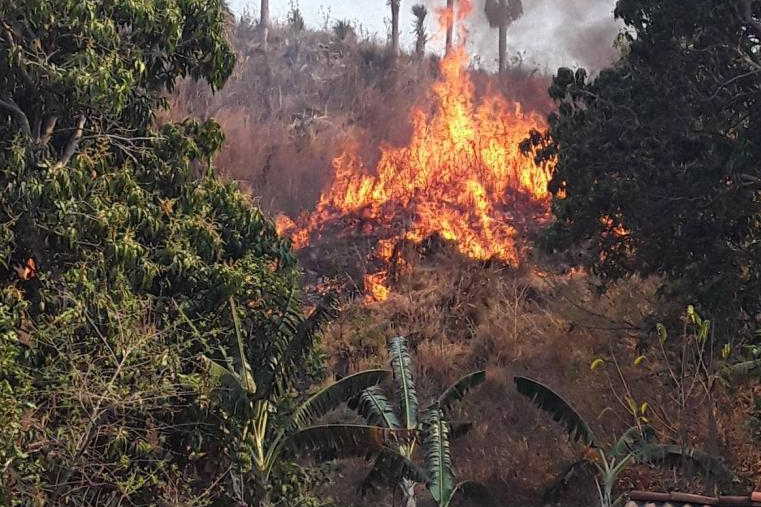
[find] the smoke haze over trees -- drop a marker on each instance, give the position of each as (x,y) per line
(551,33)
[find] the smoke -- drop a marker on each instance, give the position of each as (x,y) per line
(551,34)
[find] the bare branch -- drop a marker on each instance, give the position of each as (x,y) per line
(48,132)
(73,143)
(20,116)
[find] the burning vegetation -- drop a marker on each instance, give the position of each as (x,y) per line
(155,342)
(461,177)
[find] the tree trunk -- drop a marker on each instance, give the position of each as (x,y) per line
(395,28)
(502,47)
(450,24)
(408,490)
(420,46)
(264,22)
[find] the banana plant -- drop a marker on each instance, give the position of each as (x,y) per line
(398,467)
(637,445)
(438,464)
(263,435)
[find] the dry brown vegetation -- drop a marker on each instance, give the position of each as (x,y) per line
(463,315)
(287,113)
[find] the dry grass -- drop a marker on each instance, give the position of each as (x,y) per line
(288,113)
(462,315)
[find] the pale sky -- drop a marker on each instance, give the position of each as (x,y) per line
(551,33)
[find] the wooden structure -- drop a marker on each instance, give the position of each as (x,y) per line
(651,499)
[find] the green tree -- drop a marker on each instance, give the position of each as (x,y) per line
(429,429)
(119,251)
(656,159)
(636,444)
(264,428)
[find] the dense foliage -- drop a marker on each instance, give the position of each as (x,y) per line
(657,158)
(119,250)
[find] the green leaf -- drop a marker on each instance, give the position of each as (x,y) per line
(389,468)
(632,441)
(438,461)
(245,374)
(457,391)
(475,492)
(674,455)
(224,376)
(401,365)
(561,410)
(346,440)
(459,429)
(373,405)
(330,397)
(743,369)
(581,470)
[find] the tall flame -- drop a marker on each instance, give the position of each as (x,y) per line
(453,178)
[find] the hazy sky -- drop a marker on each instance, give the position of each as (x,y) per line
(550,34)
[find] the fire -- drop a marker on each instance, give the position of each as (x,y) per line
(454,178)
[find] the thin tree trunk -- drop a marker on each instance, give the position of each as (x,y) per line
(395,28)
(502,47)
(264,23)
(450,24)
(408,489)
(420,46)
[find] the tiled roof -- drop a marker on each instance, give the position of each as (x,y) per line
(650,499)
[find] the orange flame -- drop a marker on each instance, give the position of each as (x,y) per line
(453,179)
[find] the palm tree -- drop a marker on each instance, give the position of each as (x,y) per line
(501,14)
(637,444)
(252,399)
(450,25)
(420,12)
(432,431)
(394,49)
(264,23)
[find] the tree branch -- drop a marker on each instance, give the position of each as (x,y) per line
(747,17)
(20,116)
(50,124)
(73,143)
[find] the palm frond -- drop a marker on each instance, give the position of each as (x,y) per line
(229,388)
(475,492)
(457,391)
(675,456)
(373,405)
(245,376)
(401,365)
(459,429)
(389,468)
(561,410)
(345,440)
(577,472)
(290,341)
(632,441)
(224,376)
(330,397)
(438,461)
(742,370)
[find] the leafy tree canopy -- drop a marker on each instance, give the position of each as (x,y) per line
(119,249)
(657,158)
